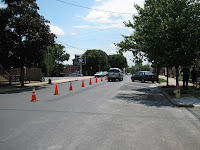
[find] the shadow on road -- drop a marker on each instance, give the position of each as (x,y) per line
(148,96)
(13,90)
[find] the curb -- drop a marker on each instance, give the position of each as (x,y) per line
(17,88)
(172,100)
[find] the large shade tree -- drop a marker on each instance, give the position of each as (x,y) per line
(117,61)
(26,34)
(54,58)
(167,32)
(96,60)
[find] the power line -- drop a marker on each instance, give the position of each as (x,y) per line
(70,45)
(93,31)
(76,47)
(107,11)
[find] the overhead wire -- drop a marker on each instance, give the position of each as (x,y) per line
(70,45)
(93,31)
(107,11)
(75,47)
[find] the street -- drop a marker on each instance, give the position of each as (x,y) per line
(105,115)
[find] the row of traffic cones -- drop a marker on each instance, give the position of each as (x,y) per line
(34,99)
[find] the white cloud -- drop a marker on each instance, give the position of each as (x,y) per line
(110,52)
(112,45)
(56,30)
(81,26)
(99,0)
(73,33)
(125,6)
(108,26)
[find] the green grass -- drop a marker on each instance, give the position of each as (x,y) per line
(162,80)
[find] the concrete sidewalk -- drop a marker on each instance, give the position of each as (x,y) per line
(16,86)
(189,98)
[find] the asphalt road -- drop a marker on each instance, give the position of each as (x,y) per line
(105,115)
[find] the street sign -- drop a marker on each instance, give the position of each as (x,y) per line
(80,60)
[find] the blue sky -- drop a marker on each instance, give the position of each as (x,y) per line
(80,29)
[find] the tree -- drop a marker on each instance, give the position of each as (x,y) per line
(27,32)
(96,60)
(59,56)
(166,32)
(133,70)
(54,57)
(117,61)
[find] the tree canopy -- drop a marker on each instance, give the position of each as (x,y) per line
(96,60)
(54,57)
(25,34)
(117,61)
(167,32)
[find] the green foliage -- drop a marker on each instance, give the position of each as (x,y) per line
(27,36)
(166,32)
(133,70)
(117,61)
(160,80)
(96,60)
(140,67)
(54,57)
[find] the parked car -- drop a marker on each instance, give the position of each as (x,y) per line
(144,76)
(98,74)
(115,73)
(101,74)
(105,73)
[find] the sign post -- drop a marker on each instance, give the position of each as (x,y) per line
(80,61)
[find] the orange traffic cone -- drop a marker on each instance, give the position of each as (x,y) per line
(90,82)
(34,99)
(56,90)
(96,80)
(106,78)
(83,85)
(101,79)
(70,88)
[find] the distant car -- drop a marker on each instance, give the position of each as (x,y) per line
(105,73)
(98,74)
(115,73)
(101,74)
(144,76)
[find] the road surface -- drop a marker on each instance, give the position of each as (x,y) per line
(105,115)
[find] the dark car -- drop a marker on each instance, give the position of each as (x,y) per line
(144,76)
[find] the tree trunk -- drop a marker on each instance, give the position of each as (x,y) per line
(167,76)
(177,74)
(22,76)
